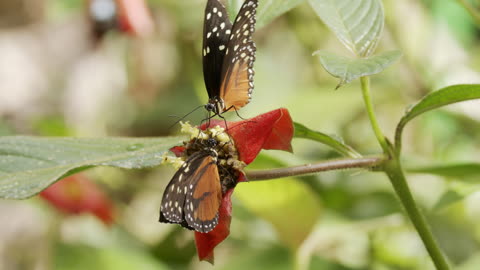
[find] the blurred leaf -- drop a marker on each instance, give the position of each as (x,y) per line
(30,164)
(357,24)
(319,262)
(278,202)
(272,257)
(349,69)
(448,198)
(460,171)
(302,131)
(5,129)
(456,192)
(233,6)
(84,257)
(434,100)
(455,234)
(268,10)
(471,264)
(174,249)
(51,126)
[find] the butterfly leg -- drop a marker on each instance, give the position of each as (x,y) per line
(236,111)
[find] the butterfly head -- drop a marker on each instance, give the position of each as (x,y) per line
(215,105)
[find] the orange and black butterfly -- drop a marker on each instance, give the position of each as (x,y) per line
(228,56)
(193,196)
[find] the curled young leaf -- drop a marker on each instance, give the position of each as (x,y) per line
(445,96)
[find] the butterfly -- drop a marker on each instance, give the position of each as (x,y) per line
(193,196)
(228,56)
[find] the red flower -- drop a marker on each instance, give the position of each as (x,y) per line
(271,130)
(76,194)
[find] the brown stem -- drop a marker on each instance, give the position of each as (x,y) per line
(366,162)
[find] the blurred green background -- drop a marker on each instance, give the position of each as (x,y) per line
(56,79)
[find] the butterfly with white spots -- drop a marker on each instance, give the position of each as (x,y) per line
(228,56)
(193,196)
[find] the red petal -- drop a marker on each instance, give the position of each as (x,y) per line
(178,150)
(206,242)
(271,130)
(282,133)
(135,17)
(77,194)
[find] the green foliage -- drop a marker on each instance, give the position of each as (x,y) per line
(462,172)
(295,207)
(268,10)
(445,96)
(337,144)
(30,164)
(275,200)
(84,257)
(357,24)
(349,69)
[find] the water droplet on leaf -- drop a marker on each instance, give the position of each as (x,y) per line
(135,147)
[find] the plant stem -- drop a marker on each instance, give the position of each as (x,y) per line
(365,81)
(367,162)
(394,171)
(470,9)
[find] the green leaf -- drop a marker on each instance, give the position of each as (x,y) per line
(279,202)
(447,199)
(30,164)
(111,258)
(445,96)
(456,192)
(348,69)
(357,24)
(462,172)
(268,10)
(338,145)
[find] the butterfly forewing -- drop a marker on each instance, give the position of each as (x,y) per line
(193,196)
(237,69)
(216,32)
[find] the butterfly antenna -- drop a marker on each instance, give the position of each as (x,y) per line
(178,121)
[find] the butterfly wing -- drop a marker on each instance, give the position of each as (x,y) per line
(201,206)
(237,68)
(216,31)
(193,196)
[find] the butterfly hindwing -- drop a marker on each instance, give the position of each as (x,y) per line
(193,196)
(237,69)
(201,210)
(216,32)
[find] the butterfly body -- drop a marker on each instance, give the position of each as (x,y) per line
(228,56)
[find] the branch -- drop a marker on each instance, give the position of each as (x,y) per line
(367,162)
